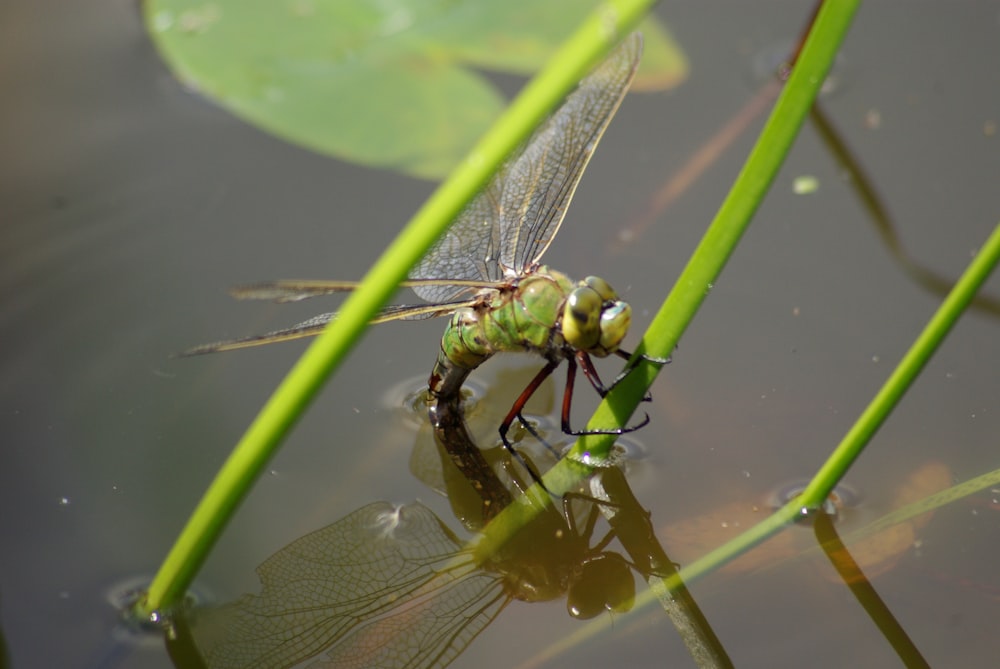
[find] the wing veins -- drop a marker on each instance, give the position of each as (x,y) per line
(294,290)
(316,324)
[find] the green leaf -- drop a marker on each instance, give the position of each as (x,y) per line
(383,84)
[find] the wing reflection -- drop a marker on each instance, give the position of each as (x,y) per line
(391,586)
(386,586)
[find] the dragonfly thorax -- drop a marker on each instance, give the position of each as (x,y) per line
(594,319)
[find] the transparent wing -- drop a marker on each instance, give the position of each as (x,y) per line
(380,588)
(316,324)
(511,223)
(295,290)
(542,180)
(468,250)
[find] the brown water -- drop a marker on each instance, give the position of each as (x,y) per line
(129,205)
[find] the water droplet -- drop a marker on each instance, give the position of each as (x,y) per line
(628,448)
(162,21)
(773,60)
(64,501)
(805,185)
(842,498)
(387,522)
(199,20)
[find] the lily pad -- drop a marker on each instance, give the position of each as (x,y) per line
(395,85)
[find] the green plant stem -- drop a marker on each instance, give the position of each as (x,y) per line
(600,31)
(822,483)
(903,375)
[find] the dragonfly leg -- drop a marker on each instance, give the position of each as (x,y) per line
(622,510)
(626,356)
(526,424)
(595,380)
(587,365)
(517,408)
(567,503)
(516,412)
(591,373)
(598,549)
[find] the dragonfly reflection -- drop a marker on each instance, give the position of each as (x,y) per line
(392,586)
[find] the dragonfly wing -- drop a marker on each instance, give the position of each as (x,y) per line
(538,185)
(295,290)
(468,250)
(315,325)
(309,328)
(385,586)
(510,224)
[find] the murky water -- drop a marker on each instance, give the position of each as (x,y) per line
(129,206)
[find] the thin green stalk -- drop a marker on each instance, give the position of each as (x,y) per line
(904,374)
(600,31)
(941,498)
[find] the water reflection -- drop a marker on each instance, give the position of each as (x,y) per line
(876,549)
(393,586)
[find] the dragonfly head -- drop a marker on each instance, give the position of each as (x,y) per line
(605,584)
(594,319)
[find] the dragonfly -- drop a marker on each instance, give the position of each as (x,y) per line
(392,586)
(486,272)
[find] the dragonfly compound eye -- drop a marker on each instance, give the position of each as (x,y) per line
(601,287)
(605,584)
(615,321)
(581,324)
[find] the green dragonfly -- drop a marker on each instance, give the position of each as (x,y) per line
(486,271)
